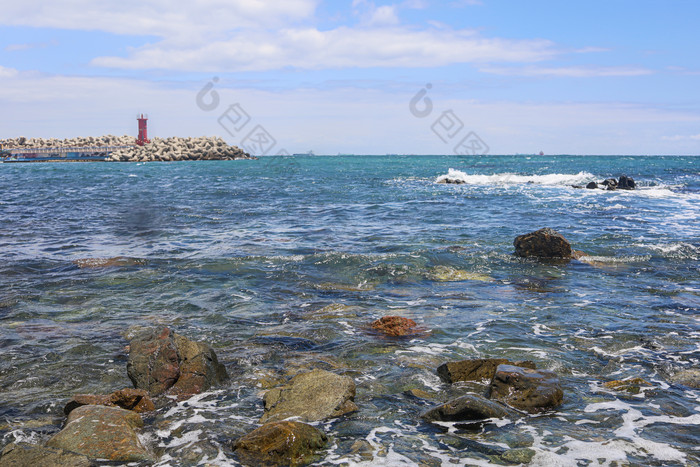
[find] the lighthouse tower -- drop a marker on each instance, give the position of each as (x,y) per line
(143,130)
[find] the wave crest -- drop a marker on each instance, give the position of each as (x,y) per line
(457,176)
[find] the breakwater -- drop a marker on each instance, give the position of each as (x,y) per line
(159,149)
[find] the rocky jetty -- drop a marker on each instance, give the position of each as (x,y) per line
(159,149)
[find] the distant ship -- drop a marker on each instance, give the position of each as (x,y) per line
(310,153)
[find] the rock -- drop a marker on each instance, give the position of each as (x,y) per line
(544,243)
(117,261)
(631,385)
(199,368)
(626,183)
(448,274)
(24,454)
(470,407)
(280,444)
(592,185)
(394,326)
(162,361)
(690,378)
(611,183)
(475,370)
(137,400)
(316,395)
(153,362)
(531,390)
(101,432)
(522,456)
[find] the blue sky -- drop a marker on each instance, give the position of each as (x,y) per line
(596,77)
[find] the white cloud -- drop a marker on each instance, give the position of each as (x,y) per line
(7,72)
(384,16)
(568,72)
(312,49)
(165,18)
(677,138)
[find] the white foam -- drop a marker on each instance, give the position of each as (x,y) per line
(515,179)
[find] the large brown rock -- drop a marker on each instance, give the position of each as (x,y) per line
(162,361)
(467,408)
(101,432)
(477,369)
(531,390)
(394,326)
(280,444)
(137,400)
(32,455)
(312,396)
(544,243)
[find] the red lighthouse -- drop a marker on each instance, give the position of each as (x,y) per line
(143,130)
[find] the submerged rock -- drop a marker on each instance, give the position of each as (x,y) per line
(448,274)
(631,385)
(137,400)
(280,443)
(312,396)
(24,454)
(530,390)
(162,361)
(395,326)
(117,261)
(101,432)
(690,378)
(470,407)
(543,243)
(476,369)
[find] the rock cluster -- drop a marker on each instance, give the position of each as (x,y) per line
(623,183)
(159,149)
(511,389)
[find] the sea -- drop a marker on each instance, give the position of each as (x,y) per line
(281,264)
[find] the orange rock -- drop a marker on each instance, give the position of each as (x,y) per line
(394,326)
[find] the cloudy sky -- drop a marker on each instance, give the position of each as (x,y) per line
(360,76)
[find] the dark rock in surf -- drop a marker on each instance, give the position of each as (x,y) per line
(592,185)
(312,396)
(531,390)
(24,454)
(544,243)
(161,361)
(280,443)
(470,407)
(476,369)
(626,183)
(610,183)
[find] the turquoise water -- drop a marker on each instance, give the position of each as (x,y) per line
(245,255)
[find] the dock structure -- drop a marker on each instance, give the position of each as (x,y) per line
(78,153)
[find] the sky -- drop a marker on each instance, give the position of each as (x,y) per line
(359,76)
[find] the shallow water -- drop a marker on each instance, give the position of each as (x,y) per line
(248,255)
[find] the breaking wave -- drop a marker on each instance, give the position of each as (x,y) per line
(457,176)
